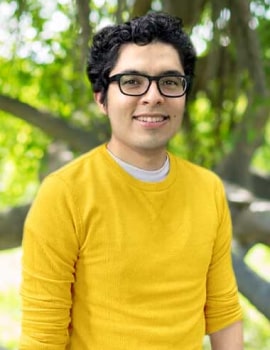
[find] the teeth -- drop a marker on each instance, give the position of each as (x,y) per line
(150,119)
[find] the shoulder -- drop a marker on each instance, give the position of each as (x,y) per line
(193,173)
(203,185)
(72,178)
(78,169)
(80,163)
(67,186)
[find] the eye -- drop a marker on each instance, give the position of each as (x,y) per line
(171,81)
(132,80)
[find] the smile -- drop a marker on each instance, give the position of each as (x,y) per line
(151,119)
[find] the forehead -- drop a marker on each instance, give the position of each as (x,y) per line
(153,58)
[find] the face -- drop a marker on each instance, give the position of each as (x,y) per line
(143,124)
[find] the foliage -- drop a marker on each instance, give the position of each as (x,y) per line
(261,158)
(21,148)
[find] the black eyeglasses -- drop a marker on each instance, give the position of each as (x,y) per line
(136,84)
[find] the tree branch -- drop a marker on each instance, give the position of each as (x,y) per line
(259,293)
(54,126)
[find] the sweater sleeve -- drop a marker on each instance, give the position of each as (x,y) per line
(222,304)
(50,250)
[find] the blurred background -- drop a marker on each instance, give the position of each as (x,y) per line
(48,117)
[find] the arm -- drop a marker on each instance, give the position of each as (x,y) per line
(222,304)
(49,254)
(230,337)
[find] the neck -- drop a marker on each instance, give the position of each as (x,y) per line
(146,159)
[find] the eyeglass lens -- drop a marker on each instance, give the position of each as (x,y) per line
(139,84)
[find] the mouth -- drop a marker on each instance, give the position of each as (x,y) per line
(151,119)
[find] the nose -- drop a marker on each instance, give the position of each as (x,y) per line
(152,96)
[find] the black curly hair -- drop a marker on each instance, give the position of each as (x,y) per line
(153,27)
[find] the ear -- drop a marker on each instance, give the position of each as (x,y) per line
(102,106)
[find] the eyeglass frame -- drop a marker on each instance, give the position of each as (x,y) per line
(117,78)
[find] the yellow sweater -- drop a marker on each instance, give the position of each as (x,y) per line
(114,263)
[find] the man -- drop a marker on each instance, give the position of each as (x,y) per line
(128,247)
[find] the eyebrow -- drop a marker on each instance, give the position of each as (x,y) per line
(167,72)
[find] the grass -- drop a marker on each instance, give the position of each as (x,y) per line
(256,326)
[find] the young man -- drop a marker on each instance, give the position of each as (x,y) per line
(129,247)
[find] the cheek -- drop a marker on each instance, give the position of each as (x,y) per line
(118,101)
(179,111)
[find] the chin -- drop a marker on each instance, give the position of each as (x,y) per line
(152,146)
